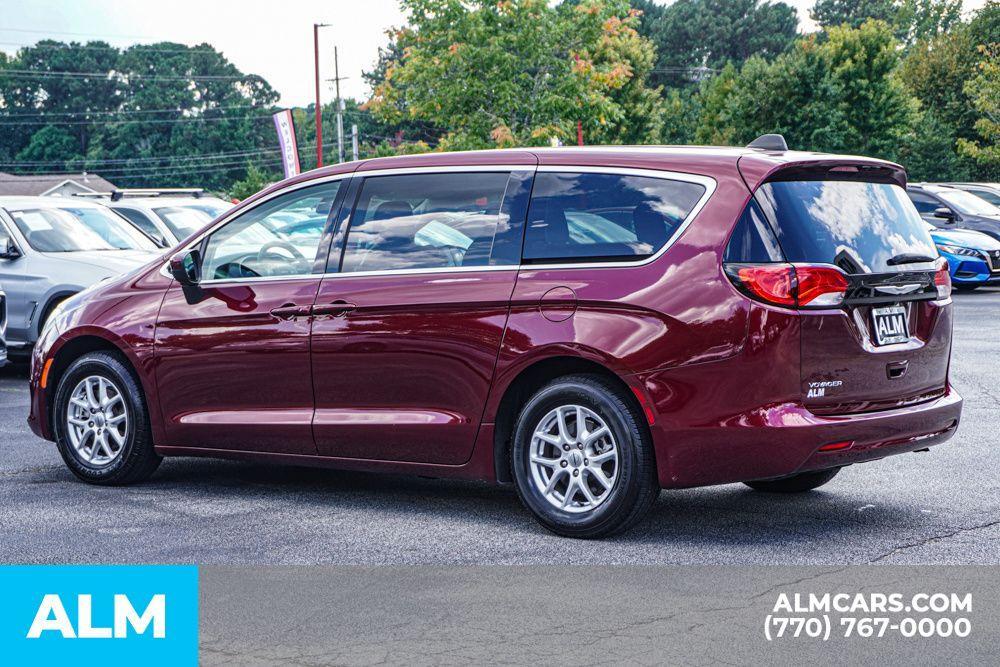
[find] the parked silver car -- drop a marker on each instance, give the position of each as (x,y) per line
(52,248)
(168,216)
(988,191)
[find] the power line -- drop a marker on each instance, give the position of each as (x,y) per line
(145,48)
(77,34)
(111,161)
(153,171)
(144,77)
(123,112)
(150,121)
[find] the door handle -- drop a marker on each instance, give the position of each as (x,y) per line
(290,311)
(336,308)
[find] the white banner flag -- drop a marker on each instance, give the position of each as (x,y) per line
(286,139)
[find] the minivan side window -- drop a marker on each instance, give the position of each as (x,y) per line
(753,241)
(426,221)
(923,203)
(600,217)
(264,241)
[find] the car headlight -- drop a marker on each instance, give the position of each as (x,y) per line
(959,250)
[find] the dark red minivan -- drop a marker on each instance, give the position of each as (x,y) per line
(589,324)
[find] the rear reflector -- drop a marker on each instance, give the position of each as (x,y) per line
(837,446)
(795,285)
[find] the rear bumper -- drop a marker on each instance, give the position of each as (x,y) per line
(783,440)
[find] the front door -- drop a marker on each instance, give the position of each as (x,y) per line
(406,335)
(233,368)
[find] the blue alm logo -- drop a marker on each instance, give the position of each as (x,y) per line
(99,614)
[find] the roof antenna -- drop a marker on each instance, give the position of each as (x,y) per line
(769,142)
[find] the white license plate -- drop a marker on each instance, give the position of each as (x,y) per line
(890,325)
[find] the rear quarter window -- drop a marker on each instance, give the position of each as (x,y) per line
(604,217)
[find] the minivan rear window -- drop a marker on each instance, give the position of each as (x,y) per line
(854,225)
(595,217)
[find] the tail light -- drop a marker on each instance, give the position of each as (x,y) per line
(942,281)
(795,285)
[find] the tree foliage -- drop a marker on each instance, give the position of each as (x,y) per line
(141,116)
(839,94)
(693,37)
(984,91)
(912,20)
(521,72)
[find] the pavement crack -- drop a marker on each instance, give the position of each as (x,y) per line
(932,539)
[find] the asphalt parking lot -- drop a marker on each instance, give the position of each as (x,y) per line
(937,507)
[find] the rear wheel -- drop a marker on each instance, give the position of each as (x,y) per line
(806,481)
(101,424)
(583,462)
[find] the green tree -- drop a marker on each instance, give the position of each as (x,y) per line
(66,80)
(912,20)
(256,179)
(692,37)
(839,94)
(215,109)
(831,13)
(521,72)
(984,91)
(51,144)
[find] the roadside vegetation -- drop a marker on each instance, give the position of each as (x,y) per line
(913,81)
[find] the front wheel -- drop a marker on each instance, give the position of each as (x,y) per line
(582,458)
(806,481)
(101,424)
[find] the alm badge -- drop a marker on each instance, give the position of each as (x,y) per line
(107,614)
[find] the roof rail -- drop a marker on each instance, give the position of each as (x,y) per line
(769,142)
(121,193)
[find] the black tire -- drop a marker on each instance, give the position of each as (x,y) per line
(137,459)
(635,485)
(806,481)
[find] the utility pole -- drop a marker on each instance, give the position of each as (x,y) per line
(354,142)
(319,105)
(340,108)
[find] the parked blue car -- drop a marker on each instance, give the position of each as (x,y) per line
(973,257)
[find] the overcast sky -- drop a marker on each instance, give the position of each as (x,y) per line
(272,39)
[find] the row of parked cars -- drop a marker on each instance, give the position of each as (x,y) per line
(965,226)
(54,247)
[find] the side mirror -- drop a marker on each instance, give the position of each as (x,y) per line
(185,267)
(944,214)
(9,250)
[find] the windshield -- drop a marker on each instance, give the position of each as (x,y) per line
(183,221)
(856,226)
(71,230)
(968,203)
(111,227)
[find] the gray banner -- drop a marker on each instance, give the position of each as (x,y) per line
(584,615)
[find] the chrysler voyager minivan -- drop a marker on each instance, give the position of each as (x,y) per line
(591,325)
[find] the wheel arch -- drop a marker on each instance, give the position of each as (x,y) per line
(72,349)
(533,377)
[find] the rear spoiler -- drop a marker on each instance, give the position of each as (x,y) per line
(770,160)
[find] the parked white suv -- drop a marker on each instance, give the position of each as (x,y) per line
(167,216)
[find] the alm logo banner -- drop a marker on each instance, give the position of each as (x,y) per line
(106,614)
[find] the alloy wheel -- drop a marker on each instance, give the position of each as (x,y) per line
(97,421)
(574,458)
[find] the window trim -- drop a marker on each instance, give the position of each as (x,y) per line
(709,183)
(349,220)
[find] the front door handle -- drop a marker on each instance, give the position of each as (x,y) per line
(290,311)
(336,308)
